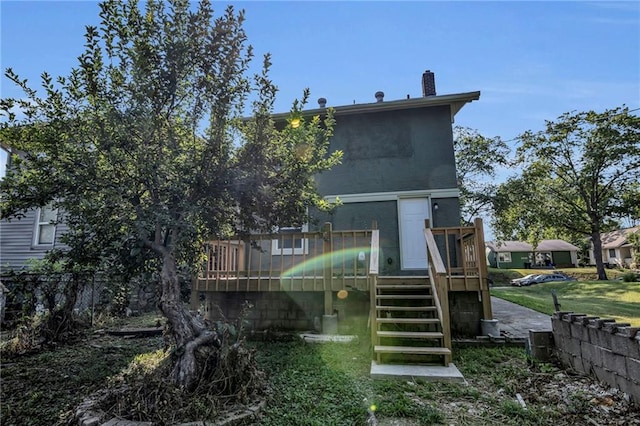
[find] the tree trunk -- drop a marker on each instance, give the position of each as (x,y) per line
(61,318)
(188,332)
(597,254)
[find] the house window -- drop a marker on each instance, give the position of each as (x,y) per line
(612,253)
(4,161)
(288,243)
(45,232)
(504,257)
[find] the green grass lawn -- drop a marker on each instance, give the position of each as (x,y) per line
(605,299)
(326,384)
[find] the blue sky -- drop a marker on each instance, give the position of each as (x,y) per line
(532,61)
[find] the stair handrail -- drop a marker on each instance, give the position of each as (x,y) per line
(374,257)
(436,268)
(437,279)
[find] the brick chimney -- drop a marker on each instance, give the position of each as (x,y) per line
(428,83)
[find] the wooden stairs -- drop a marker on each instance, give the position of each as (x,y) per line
(408,329)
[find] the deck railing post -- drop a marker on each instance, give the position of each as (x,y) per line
(482,269)
(195,296)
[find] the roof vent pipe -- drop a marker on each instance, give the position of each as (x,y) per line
(322,102)
(428,83)
(379,96)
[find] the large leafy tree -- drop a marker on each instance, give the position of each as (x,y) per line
(142,148)
(578,177)
(478,159)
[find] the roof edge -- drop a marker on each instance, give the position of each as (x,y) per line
(401,104)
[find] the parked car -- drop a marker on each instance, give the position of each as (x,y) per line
(533,280)
(545,278)
(518,282)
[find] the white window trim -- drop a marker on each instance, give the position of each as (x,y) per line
(38,224)
(506,257)
(277,251)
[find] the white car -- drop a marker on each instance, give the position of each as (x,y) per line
(518,282)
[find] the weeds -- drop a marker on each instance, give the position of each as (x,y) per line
(229,377)
(310,384)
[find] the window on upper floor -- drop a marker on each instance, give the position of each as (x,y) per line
(45,231)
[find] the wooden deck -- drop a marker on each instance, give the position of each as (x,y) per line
(409,316)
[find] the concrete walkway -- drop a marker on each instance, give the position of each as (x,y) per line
(515,321)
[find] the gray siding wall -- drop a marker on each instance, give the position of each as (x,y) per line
(16,241)
(392,151)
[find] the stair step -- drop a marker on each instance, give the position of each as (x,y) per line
(405,308)
(402,277)
(411,334)
(404,296)
(402,287)
(408,320)
(412,350)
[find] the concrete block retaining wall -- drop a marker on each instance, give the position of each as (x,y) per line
(602,348)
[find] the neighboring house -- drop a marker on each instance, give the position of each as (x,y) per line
(617,251)
(519,254)
(29,237)
(368,259)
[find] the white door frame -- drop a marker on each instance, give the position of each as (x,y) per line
(415,232)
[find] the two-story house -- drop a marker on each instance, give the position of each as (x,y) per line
(369,258)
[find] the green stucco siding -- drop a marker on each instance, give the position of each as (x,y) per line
(352,216)
(561,258)
(392,151)
(518,259)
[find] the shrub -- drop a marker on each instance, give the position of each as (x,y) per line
(630,277)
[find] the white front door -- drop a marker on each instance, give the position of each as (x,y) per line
(413,250)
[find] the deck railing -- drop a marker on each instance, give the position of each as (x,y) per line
(325,260)
(330,260)
(462,251)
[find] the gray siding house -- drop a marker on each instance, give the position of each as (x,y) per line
(29,237)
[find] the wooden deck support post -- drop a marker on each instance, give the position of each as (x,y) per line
(327,267)
(374,259)
(482,269)
(195,295)
(441,281)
